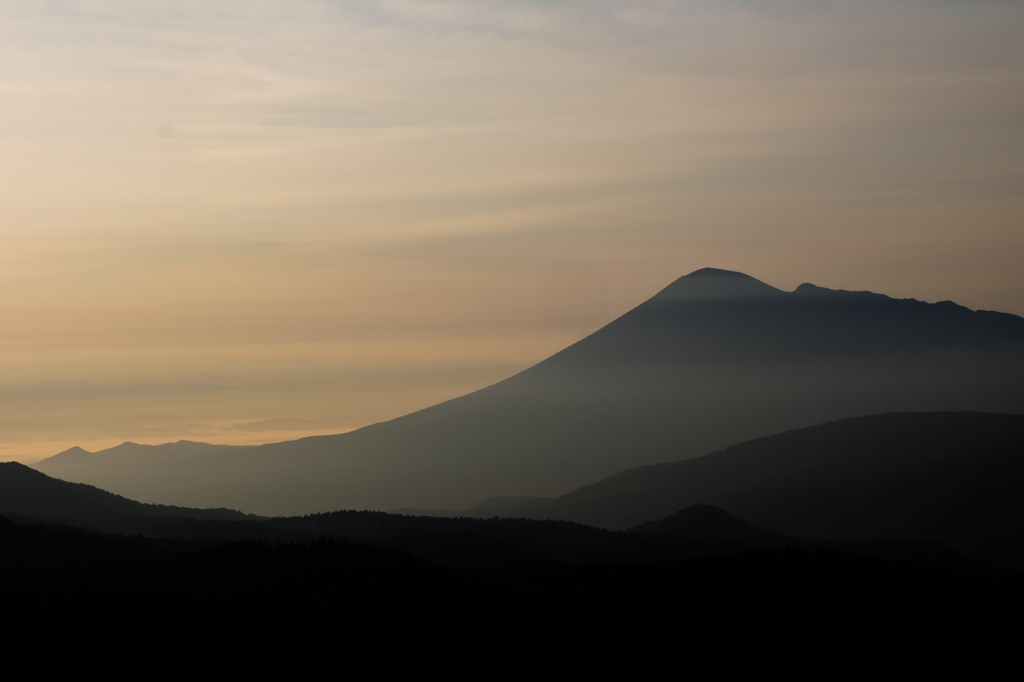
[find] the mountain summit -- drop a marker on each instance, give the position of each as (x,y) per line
(719,282)
(715,358)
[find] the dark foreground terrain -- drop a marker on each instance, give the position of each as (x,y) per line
(846,545)
(109,599)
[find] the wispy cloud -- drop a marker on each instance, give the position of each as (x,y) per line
(393,176)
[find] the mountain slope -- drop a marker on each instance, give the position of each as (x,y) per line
(715,358)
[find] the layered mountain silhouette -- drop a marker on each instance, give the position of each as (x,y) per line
(716,358)
(957,478)
(35,500)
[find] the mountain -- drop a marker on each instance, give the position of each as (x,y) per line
(27,492)
(716,358)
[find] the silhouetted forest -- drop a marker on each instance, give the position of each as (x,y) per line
(217,601)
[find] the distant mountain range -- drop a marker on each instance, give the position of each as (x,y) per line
(716,358)
(132,469)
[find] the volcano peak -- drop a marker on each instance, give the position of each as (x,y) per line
(716,272)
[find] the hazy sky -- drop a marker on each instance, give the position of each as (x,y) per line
(449,180)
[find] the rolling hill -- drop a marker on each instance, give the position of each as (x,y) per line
(27,492)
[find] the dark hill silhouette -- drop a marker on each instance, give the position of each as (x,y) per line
(719,528)
(25,491)
(699,531)
(957,478)
(31,497)
(716,358)
(704,522)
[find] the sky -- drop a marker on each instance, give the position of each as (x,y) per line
(344,211)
